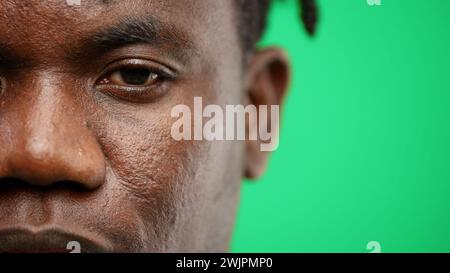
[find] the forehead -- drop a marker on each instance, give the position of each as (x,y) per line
(90,12)
(55,24)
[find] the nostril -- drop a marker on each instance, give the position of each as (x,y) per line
(12,183)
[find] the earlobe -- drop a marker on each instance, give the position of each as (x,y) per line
(266,85)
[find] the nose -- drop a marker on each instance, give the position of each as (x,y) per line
(46,139)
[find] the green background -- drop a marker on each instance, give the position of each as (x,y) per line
(365,146)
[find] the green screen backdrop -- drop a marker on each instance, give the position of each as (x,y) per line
(365,147)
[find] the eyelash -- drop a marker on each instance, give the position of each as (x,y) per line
(135,93)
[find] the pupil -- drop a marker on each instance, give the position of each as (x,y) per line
(135,76)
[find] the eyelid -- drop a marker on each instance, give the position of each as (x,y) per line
(163,71)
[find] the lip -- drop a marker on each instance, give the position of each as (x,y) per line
(49,240)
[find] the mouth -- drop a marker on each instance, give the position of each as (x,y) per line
(50,240)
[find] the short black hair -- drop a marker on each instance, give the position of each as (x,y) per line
(253,14)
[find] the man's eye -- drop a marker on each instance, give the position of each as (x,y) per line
(135,80)
(138,77)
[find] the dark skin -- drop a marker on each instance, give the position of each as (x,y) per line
(86,152)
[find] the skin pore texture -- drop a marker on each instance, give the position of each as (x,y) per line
(86,152)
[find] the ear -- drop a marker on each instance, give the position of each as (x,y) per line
(266,83)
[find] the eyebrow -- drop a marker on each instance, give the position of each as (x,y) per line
(142,30)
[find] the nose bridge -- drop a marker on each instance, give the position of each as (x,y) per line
(52,143)
(48,129)
(43,121)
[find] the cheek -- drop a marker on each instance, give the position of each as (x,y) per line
(150,172)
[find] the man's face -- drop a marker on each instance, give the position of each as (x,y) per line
(86,152)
